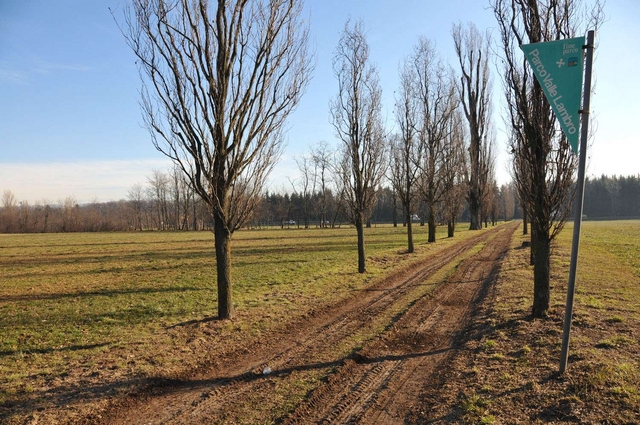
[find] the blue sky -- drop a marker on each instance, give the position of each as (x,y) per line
(70,119)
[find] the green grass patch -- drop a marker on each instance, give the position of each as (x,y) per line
(615,342)
(474,410)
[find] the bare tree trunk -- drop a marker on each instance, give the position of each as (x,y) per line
(541,272)
(525,224)
(410,247)
(195,217)
(359,222)
(395,210)
(223,266)
(474,211)
(532,251)
(432,223)
(451,227)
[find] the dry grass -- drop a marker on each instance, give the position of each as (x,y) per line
(512,360)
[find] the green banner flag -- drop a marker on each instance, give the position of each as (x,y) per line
(558,66)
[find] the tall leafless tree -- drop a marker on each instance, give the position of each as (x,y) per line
(436,104)
(541,148)
(219,80)
(9,212)
(474,89)
(454,170)
(136,198)
(356,116)
(306,185)
(519,175)
(158,193)
(507,201)
(487,174)
(321,157)
(404,171)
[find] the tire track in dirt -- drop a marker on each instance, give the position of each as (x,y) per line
(214,397)
(382,384)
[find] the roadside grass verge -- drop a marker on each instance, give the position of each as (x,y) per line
(85,310)
(512,361)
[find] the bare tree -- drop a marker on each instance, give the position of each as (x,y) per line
(542,150)
(508,200)
(136,198)
(8,199)
(8,218)
(404,171)
(454,170)
(436,105)
(474,89)
(158,193)
(487,175)
(356,115)
(306,185)
(219,80)
(70,214)
(520,175)
(321,157)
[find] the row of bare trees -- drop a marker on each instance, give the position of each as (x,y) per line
(605,197)
(166,202)
(65,215)
(220,79)
(426,158)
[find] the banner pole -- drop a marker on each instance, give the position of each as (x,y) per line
(577,223)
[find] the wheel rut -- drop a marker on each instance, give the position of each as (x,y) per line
(396,367)
(359,388)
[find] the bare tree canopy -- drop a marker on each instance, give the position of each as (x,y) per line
(356,116)
(454,170)
(474,88)
(219,80)
(404,170)
(544,164)
(321,157)
(436,103)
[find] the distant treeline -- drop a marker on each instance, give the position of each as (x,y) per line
(612,197)
(167,203)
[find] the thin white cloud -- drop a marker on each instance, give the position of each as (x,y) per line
(9,74)
(44,67)
(84,180)
(103,181)
(13,76)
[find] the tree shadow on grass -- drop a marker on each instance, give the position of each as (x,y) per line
(194,322)
(4,353)
(99,293)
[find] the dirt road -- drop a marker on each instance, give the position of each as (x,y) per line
(409,323)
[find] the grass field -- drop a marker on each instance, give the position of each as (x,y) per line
(87,309)
(114,302)
(511,370)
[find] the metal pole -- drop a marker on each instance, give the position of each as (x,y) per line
(575,245)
